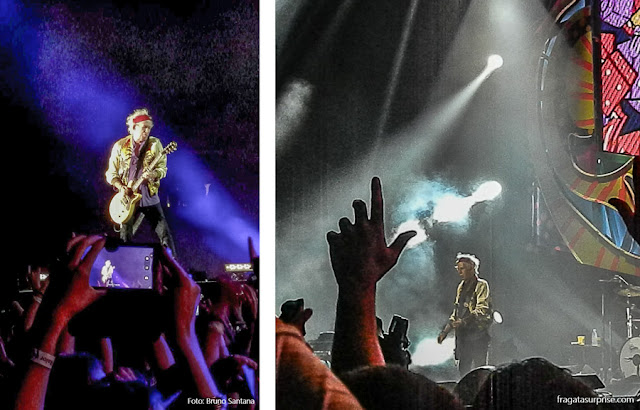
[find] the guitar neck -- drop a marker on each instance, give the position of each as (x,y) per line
(152,165)
(172,146)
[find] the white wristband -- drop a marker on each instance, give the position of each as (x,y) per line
(42,358)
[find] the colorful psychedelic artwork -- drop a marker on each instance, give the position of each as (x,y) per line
(619,75)
(575,176)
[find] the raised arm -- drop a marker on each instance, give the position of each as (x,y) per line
(360,257)
(71,295)
(215,346)
(186,294)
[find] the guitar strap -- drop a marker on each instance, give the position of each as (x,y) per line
(465,296)
(132,176)
(140,161)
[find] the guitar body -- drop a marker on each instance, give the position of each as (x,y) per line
(122,206)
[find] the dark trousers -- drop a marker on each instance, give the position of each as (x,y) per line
(158,222)
(471,352)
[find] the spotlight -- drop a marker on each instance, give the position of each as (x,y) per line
(454,208)
(494,62)
(451,208)
(487,191)
(497,317)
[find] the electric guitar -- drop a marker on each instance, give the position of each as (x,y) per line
(466,319)
(448,328)
(122,205)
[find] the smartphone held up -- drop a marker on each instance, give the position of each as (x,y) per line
(120,266)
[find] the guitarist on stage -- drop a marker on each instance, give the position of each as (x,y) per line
(129,158)
(471,316)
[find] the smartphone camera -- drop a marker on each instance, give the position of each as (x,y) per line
(123,267)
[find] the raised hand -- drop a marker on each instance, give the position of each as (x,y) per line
(360,257)
(631,218)
(359,254)
(185,292)
(38,286)
(78,293)
(242,360)
(249,298)
(186,295)
(68,294)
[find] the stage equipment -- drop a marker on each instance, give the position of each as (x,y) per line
(630,352)
(630,357)
(630,291)
(605,342)
(322,347)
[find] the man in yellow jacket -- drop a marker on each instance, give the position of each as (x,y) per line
(471,316)
(129,160)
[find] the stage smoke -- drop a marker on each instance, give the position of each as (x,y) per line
(291,109)
(429,353)
(412,225)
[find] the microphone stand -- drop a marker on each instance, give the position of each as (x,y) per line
(606,371)
(603,370)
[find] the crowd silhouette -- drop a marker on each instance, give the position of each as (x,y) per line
(66,344)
